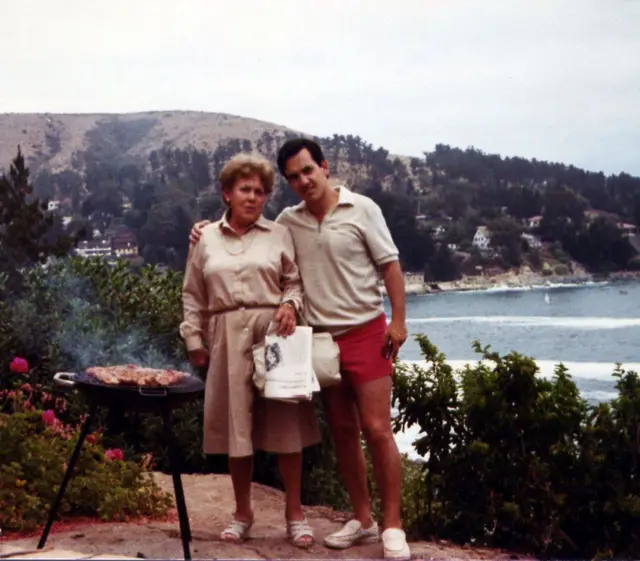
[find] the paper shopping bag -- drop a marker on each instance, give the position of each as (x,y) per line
(288,366)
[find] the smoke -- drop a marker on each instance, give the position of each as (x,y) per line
(59,310)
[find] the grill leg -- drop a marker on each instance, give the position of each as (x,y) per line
(136,430)
(185,529)
(67,476)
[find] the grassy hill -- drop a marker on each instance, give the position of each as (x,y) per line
(58,141)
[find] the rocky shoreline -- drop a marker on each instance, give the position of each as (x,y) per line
(525,279)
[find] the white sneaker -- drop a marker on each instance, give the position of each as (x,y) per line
(352,533)
(395,544)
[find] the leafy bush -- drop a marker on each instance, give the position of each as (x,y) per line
(80,312)
(35,448)
(75,313)
(515,460)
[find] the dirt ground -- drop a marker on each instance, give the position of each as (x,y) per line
(210,505)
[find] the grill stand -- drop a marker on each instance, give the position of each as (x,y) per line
(183,517)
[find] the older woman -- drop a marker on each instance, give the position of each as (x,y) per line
(240,276)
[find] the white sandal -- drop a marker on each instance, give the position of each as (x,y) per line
(299,531)
(238,530)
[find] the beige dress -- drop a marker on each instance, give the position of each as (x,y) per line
(232,287)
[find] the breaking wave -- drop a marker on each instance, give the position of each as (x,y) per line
(559,322)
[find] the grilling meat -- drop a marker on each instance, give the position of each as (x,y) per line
(133,375)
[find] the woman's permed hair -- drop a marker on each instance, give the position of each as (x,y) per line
(247,165)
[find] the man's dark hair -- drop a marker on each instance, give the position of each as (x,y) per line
(291,147)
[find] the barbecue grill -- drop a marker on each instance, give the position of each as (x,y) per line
(138,398)
(161,400)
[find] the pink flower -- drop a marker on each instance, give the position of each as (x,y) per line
(114,454)
(49,417)
(19,365)
(26,388)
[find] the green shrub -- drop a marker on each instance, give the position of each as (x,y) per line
(519,461)
(35,448)
(77,313)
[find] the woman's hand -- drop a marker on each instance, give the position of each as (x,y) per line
(199,357)
(285,320)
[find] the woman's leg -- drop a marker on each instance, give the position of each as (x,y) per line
(290,467)
(241,475)
(241,469)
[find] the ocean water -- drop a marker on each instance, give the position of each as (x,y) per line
(589,328)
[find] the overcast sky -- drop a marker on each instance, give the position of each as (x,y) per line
(550,79)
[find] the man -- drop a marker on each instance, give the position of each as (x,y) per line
(342,241)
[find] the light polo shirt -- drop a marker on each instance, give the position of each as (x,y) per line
(339,260)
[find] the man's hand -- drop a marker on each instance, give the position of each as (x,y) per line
(199,357)
(285,320)
(196,231)
(395,337)
(396,333)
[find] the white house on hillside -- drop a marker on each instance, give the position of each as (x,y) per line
(627,229)
(482,238)
(534,221)
(94,248)
(533,241)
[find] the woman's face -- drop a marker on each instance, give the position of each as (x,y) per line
(246,200)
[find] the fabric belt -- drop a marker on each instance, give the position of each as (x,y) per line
(248,307)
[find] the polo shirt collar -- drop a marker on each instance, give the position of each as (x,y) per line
(345,198)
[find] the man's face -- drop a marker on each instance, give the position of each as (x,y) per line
(308,179)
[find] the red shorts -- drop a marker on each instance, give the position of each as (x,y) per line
(361,352)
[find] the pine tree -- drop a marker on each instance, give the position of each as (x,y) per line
(27,228)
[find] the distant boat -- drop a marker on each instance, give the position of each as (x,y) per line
(546,297)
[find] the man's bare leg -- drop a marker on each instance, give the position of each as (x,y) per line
(374,404)
(342,417)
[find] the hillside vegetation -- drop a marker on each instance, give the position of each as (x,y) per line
(154,174)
